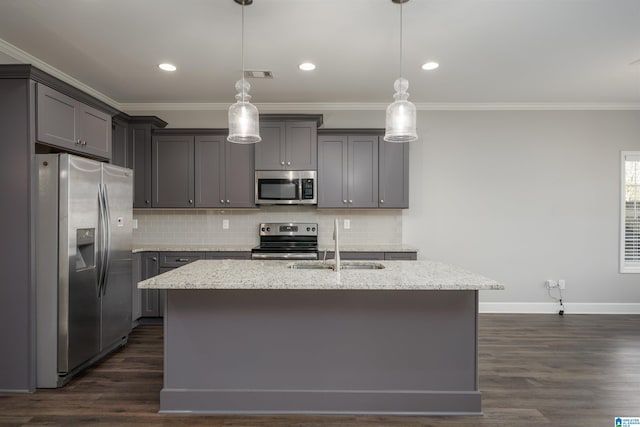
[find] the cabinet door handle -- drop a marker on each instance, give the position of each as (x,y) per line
(190,201)
(154,259)
(221,201)
(147,202)
(227,201)
(282,163)
(381,200)
(344,201)
(78,142)
(350,201)
(288,163)
(84,142)
(182,260)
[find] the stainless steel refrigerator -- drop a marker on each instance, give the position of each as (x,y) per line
(83,264)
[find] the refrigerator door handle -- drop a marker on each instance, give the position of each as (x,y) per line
(101,239)
(107,252)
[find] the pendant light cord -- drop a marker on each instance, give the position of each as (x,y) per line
(401,39)
(242,50)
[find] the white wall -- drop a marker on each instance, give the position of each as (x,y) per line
(519,196)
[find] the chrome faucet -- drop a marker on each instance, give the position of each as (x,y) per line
(337,245)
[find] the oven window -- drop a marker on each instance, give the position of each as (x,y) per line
(278,189)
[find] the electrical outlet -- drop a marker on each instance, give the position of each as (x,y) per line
(225,224)
(562,283)
(551,284)
(347,224)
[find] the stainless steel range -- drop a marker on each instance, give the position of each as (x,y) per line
(288,240)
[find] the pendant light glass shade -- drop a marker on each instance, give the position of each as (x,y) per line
(400,125)
(401,115)
(244,120)
(244,124)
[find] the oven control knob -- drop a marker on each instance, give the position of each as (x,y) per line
(262,229)
(313,229)
(308,228)
(268,228)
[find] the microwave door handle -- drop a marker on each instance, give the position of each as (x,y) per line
(300,195)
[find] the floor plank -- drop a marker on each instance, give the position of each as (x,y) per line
(535,370)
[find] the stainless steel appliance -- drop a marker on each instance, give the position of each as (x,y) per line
(83,264)
(287,240)
(286,188)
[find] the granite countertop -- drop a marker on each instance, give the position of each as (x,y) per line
(191,248)
(368,248)
(240,248)
(397,275)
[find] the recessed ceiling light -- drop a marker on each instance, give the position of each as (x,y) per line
(307,66)
(167,67)
(428,66)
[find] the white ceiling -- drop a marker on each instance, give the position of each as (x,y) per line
(490,51)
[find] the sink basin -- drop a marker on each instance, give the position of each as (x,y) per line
(315,266)
(360,265)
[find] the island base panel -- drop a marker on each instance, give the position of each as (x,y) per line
(333,351)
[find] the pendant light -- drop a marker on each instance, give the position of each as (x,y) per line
(244,125)
(401,114)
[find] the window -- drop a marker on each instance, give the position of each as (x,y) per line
(630,213)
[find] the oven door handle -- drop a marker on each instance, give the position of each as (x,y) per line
(285,255)
(300,195)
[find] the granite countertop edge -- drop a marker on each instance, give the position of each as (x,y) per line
(274,275)
(232,248)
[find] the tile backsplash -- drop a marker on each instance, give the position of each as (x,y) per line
(204,227)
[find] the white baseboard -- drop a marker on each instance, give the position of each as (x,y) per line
(551,308)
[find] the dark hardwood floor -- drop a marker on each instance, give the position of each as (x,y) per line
(535,370)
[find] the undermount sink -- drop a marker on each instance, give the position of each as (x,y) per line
(361,266)
(344,265)
(301,266)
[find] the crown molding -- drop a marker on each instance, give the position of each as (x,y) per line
(26,58)
(351,106)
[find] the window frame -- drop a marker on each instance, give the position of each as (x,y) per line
(625,267)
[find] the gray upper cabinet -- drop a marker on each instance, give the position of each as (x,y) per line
(348,171)
(173,171)
(287,145)
(393,175)
(121,150)
(66,123)
(140,142)
(224,173)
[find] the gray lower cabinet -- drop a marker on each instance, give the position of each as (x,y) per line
(287,145)
(393,175)
(173,171)
(348,171)
(243,255)
(149,298)
(64,122)
(372,256)
(150,302)
(224,173)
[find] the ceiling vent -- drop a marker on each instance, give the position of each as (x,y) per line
(258,74)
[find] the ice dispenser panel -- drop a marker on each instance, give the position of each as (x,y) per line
(85,250)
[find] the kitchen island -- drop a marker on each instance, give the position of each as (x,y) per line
(247,337)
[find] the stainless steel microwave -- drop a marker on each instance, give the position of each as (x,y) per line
(286,188)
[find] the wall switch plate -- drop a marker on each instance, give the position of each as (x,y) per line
(225,224)
(551,284)
(134,223)
(562,283)
(347,224)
